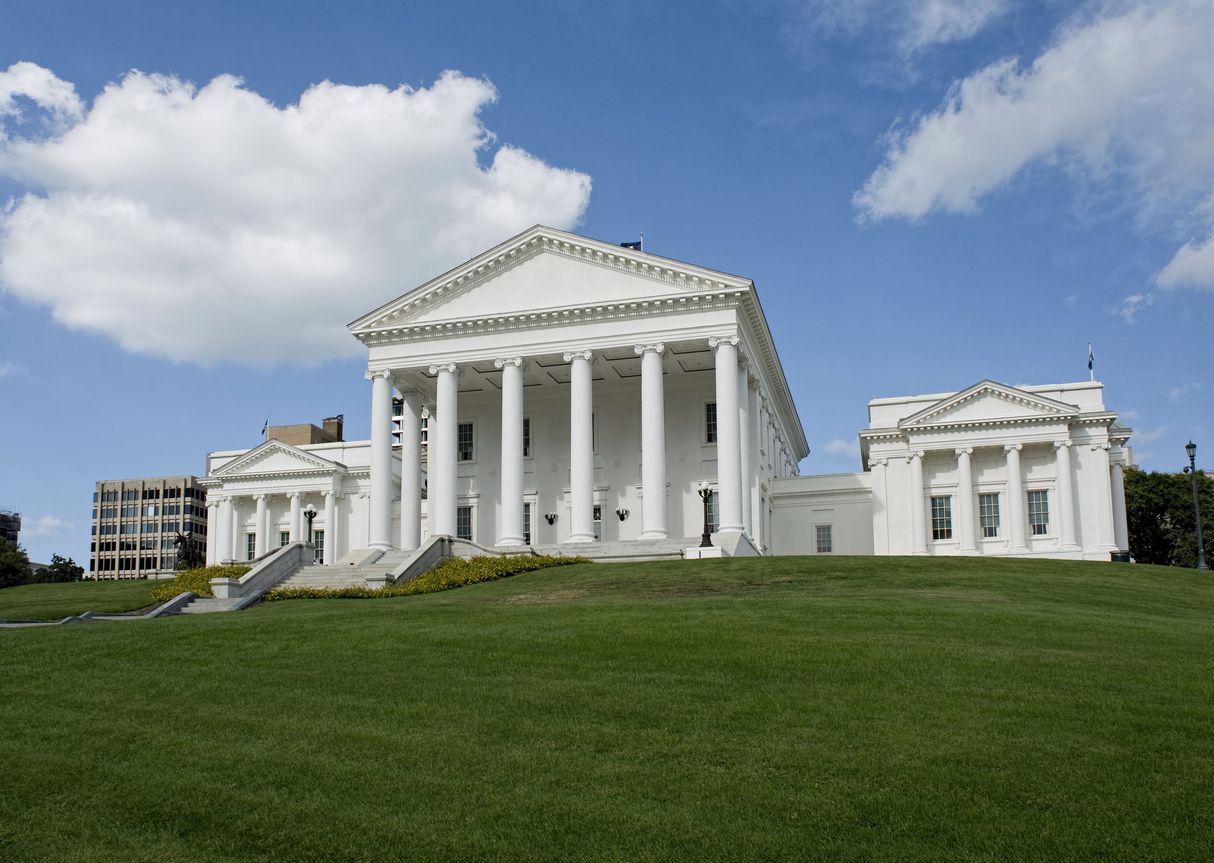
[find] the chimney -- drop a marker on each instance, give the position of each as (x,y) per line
(333,427)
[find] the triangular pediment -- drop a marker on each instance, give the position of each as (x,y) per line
(989,402)
(543,269)
(277,457)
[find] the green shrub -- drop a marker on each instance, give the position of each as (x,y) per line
(197,580)
(449,574)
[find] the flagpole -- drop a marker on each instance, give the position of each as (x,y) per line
(642,241)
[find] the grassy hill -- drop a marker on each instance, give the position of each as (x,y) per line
(786,709)
(55,601)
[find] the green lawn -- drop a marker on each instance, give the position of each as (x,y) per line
(54,601)
(787,709)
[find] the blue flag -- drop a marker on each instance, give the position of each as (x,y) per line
(1091,357)
(634,246)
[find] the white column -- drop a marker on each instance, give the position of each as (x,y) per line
(880,505)
(918,522)
(330,528)
(233,525)
(752,486)
(212,531)
(729,454)
(510,528)
(653,442)
(443,445)
(1066,496)
(1015,500)
(295,536)
(965,499)
(259,526)
(411,470)
(581,447)
(380,516)
(1104,503)
(744,462)
(1121,534)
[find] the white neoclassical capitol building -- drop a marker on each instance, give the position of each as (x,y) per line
(561,392)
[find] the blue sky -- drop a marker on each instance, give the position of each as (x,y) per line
(926,194)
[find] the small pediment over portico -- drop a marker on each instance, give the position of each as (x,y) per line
(277,458)
(989,403)
(545,269)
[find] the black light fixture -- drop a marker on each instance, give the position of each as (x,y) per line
(309,513)
(705,492)
(1191,470)
(622,513)
(550,517)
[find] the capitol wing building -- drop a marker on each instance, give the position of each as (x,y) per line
(565,394)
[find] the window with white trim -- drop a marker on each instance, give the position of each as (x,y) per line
(710,422)
(463,522)
(526,437)
(988,514)
(823,538)
(318,537)
(1039,512)
(464,442)
(526,522)
(714,512)
(250,545)
(942,517)
(284,537)
(598,523)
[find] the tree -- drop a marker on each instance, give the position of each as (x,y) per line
(14,564)
(61,569)
(1159,512)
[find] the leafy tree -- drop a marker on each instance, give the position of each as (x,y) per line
(1159,511)
(61,569)
(14,564)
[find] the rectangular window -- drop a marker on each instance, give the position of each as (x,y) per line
(942,517)
(714,513)
(1039,513)
(284,537)
(710,422)
(598,523)
(250,545)
(318,537)
(463,522)
(464,448)
(822,533)
(526,521)
(594,432)
(988,514)
(526,437)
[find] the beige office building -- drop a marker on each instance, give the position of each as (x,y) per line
(136,522)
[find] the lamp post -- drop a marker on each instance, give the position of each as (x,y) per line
(705,493)
(309,514)
(1191,470)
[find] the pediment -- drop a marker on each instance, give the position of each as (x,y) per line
(543,269)
(989,402)
(277,457)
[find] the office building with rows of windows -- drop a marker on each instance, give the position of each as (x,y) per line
(561,392)
(136,523)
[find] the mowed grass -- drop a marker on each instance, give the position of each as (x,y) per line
(55,601)
(784,709)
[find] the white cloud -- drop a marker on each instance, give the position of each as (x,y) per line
(1149,436)
(1182,392)
(8,367)
(1123,97)
(49,525)
(1132,305)
(29,80)
(912,26)
(839,446)
(202,223)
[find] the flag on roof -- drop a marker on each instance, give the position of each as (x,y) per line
(634,246)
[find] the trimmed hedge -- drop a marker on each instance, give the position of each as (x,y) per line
(449,574)
(197,580)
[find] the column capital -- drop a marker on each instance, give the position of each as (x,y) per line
(371,375)
(877,462)
(963,450)
(1065,442)
(445,367)
(1008,447)
(570,356)
(259,497)
(640,349)
(517,362)
(716,341)
(915,454)
(294,495)
(1104,446)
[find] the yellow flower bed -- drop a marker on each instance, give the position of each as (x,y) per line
(197,580)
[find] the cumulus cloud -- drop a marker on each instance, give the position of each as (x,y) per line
(49,525)
(1123,96)
(208,223)
(839,446)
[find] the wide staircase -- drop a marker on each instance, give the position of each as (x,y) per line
(339,575)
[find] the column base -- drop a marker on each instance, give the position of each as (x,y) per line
(1019,549)
(653,534)
(509,540)
(380,546)
(580,537)
(968,551)
(730,528)
(919,554)
(1070,546)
